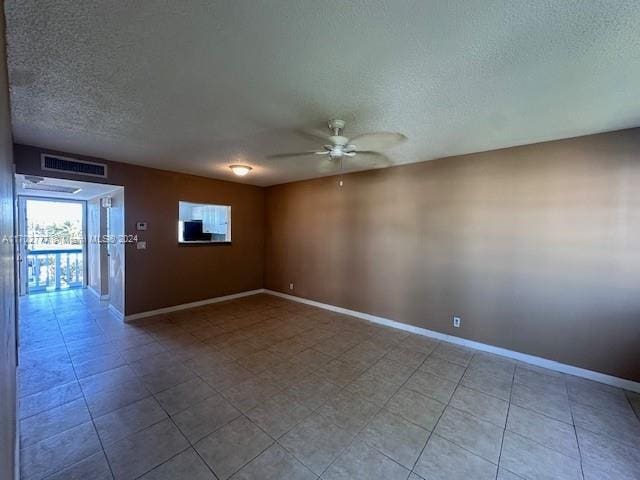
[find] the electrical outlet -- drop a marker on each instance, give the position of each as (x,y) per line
(457,321)
(291,286)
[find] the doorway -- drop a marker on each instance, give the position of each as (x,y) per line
(53,249)
(70,241)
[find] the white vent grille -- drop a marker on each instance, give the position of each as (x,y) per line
(55,163)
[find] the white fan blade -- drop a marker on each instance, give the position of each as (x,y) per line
(315,135)
(368,159)
(296,154)
(377,141)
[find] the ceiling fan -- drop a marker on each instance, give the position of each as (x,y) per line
(361,151)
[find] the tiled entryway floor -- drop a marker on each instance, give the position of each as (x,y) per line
(264,388)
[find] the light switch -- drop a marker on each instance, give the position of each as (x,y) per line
(141,245)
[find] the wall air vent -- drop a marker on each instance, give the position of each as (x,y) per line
(55,163)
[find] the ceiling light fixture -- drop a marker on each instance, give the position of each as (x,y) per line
(240,170)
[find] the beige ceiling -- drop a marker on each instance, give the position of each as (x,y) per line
(196,85)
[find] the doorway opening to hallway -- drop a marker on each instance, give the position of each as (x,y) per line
(68,238)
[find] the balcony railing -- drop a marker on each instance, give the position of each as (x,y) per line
(55,269)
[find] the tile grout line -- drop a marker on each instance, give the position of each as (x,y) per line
(351,442)
(169,417)
(437,344)
(442,413)
(86,405)
(396,344)
(529,409)
(166,461)
(355,436)
(260,453)
(523,408)
(242,414)
(506,420)
(276,440)
(434,425)
(575,430)
(104,453)
(388,349)
(88,311)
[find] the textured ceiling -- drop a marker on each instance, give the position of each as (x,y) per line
(194,86)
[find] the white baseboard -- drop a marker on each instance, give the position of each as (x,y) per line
(184,306)
(523,357)
(93,291)
(97,294)
(116,313)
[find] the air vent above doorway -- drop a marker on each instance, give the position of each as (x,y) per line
(46,187)
(71,165)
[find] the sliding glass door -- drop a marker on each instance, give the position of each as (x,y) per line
(52,246)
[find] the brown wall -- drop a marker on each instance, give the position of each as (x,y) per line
(536,247)
(167,274)
(7,286)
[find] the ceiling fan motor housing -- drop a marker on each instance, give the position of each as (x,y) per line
(336,151)
(340,144)
(338,140)
(336,126)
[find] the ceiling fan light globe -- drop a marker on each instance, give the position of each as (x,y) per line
(240,170)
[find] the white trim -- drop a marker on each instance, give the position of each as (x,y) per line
(115,312)
(184,306)
(97,294)
(93,291)
(523,357)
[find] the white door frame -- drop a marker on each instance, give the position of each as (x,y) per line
(22,226)
(23,279)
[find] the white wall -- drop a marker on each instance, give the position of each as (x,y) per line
(116,251)
(98,270)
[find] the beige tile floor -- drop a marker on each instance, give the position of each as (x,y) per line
(264,388)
